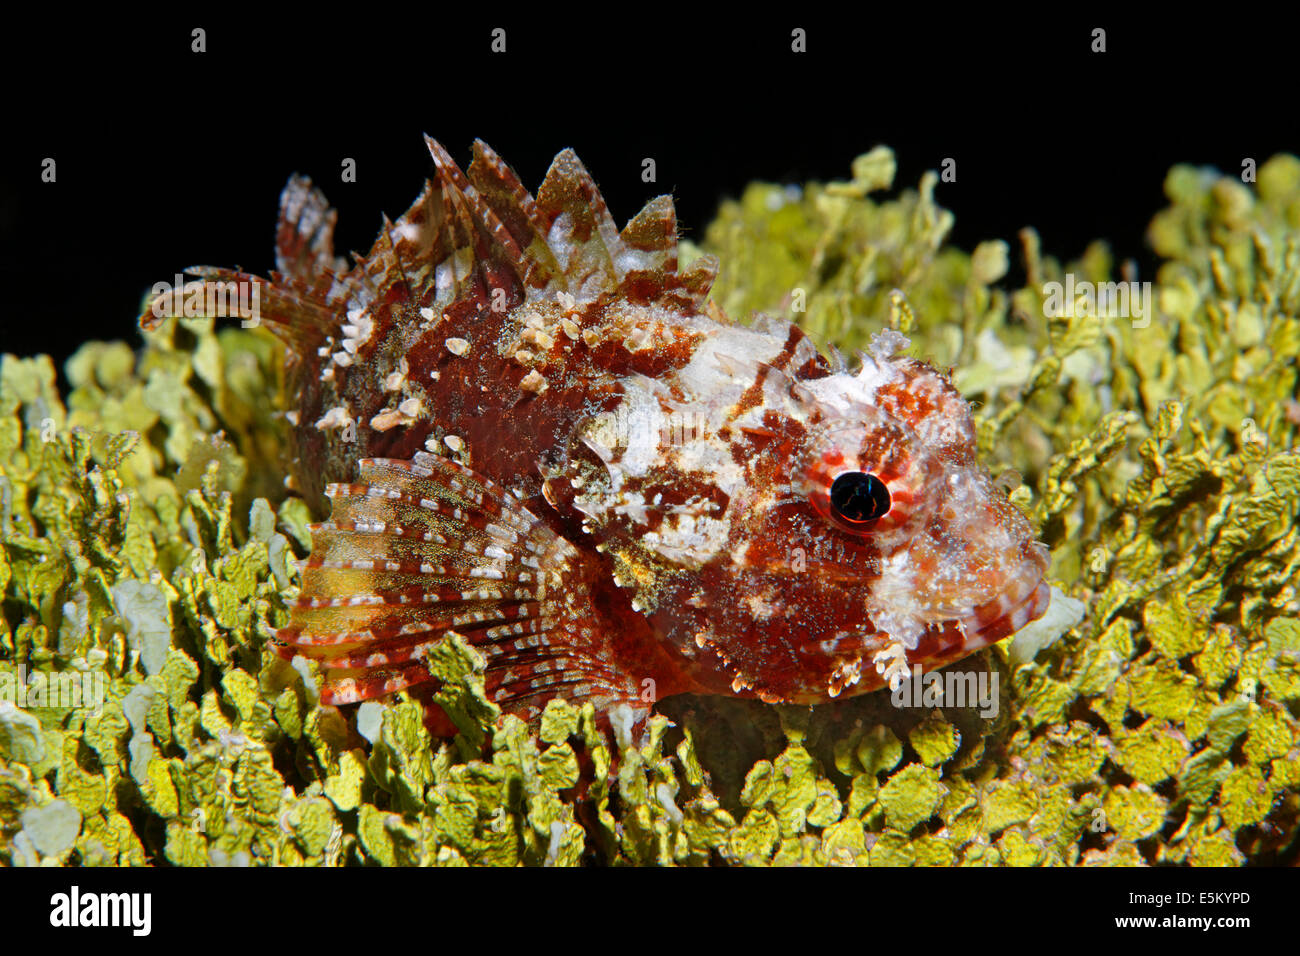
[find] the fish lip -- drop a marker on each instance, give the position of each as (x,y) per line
(999,618)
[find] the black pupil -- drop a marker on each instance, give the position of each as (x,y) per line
(858,496)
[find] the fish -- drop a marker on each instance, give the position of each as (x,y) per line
(536,431)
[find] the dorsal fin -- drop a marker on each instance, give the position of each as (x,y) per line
(464,236)
(516,209)
(304,236)
(580,230)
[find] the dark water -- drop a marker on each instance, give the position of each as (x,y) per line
(167,158)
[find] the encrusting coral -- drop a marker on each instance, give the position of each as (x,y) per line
(149,552)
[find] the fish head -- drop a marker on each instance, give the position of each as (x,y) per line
(825,537)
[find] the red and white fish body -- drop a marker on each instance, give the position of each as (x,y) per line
(536,432)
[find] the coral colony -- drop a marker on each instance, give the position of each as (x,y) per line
(526,539)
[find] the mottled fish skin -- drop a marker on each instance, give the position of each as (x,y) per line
(536,431)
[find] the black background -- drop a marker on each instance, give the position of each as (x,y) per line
(770,912)
(168,159)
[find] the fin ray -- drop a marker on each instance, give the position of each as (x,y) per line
(465,235)
(416,550)
(304,237)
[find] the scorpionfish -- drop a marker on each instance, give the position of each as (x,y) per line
(537,432)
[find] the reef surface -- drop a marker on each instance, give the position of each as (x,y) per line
(149,547)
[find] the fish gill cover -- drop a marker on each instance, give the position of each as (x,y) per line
(150,548)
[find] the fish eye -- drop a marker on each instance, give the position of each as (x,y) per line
(858,497)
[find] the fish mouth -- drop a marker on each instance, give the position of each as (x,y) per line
(1004,615)
(960,636)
